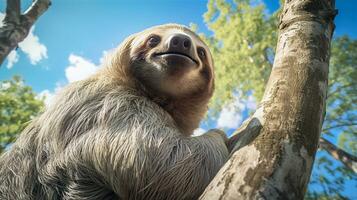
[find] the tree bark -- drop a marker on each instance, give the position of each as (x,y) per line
(277,163)
(17,26)
(345,158)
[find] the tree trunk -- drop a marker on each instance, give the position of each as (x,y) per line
(276,162)
(17,26)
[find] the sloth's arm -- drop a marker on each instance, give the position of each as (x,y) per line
(244,134)
(115,162)
(214,139)
(192,162)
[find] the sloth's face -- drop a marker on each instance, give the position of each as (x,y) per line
(171,60)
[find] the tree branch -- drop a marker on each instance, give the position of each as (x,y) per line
(16,26)
(37,8)
(12,15)
(277,163)
(347,159)
(338,89)
(339,126)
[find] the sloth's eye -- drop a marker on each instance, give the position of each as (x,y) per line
(201,52)
(153,41)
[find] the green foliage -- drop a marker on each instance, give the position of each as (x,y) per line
(328,178)
(342,94)
(243,45)
(340,120)
(317,196)
(18,105)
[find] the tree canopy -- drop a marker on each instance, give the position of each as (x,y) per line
(243,44)
(18,105)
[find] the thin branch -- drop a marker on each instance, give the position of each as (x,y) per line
(338,89)
(344,119)
(12,12)
(37,8)
(350,161)
(339,126)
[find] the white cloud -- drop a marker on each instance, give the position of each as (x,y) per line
(12,58)
(229,117)
(231,114)
(79,68)
(31,46)
(34,50)
(5,85)
(105,54)
(47,95)
(199,131)
(251,103)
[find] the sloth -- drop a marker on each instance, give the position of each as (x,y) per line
(125,132)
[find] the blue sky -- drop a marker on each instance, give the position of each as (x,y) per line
(86,28)
(69,40)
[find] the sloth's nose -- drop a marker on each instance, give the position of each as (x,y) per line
(180,43)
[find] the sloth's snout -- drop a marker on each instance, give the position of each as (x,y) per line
(178,52)
(180,43)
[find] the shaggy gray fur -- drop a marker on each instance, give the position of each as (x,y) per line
(104,140)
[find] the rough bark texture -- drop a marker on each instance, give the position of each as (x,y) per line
(277,163)
(17,26)
(347,159)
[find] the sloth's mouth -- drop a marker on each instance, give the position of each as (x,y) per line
(176,54)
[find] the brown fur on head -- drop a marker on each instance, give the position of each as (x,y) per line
(181,82)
